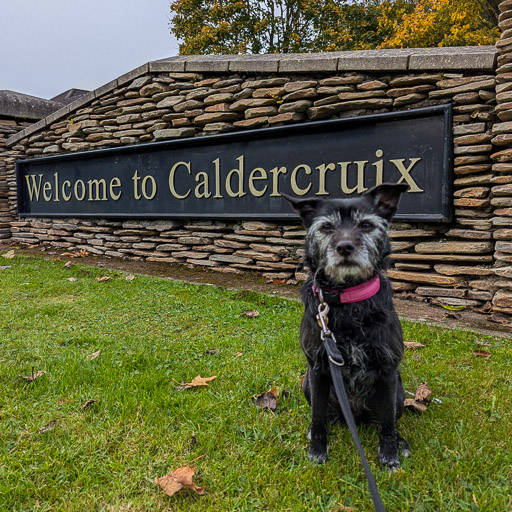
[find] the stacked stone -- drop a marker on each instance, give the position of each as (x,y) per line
(440,263)
(432,260)
(502,168)
(268,248)
(8,127)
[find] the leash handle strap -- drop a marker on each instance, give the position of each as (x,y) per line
(333,356)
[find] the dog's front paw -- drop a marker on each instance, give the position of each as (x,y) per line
(389,459)
(318,455)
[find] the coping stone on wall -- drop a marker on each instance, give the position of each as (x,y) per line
(59,114)
(376,60)
(454,58)
(268,63)
(478,58)
(170,65)
(206,63)
(134,73)
(306,62)
(114,84)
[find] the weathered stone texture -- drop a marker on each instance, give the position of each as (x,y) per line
(165,101)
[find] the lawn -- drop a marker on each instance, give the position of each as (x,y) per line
(128,345)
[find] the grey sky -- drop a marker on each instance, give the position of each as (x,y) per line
(49,46)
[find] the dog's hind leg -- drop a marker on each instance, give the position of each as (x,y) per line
(317,394)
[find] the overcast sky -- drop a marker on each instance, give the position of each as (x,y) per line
(50,46)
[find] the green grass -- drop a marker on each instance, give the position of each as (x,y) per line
(155,333)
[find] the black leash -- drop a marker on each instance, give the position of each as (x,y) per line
(336,361)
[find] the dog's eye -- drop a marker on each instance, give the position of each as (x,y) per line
(366,225)
(326,227)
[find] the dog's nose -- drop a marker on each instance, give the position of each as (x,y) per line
(345,248)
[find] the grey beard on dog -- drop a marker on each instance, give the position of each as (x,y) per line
(347,245)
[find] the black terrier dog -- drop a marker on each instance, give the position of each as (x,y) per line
(346,249)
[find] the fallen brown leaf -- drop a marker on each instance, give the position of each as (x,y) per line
(422,393)
(413,344)
(68,264)
(181,478)
(421,398)
(452,314)
(32,377)
(196,382)
(410,403)
(87,403)
(94,355)
(103,279)
(482,353)
(9,255)
(251,313)
(49,427)
(267,400)
(61,401)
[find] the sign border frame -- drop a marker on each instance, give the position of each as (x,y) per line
(446,172)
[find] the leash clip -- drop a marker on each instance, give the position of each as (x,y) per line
(323,320)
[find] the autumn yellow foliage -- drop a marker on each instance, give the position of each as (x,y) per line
(291,26)
(440,23)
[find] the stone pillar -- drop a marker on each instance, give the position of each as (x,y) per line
(502,167)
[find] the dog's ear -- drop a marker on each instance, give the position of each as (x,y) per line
(305,207)
(386,197)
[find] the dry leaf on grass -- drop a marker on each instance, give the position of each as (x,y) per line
(32,377)
(87,404)
(68,264)
(482,353)
(76,254)
(422,393)
(49,427)
(251,313)
(71,279)
(411,345)
(103,279)
(61,401)
(267,400)
(181,478)
(9,255)
(410,403)
(130,278)
(196,382)
(421,398)
(94,355)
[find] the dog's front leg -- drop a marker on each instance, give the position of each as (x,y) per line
(382,406)
(319,388)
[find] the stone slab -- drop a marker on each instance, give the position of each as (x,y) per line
(375,60)
(456,58)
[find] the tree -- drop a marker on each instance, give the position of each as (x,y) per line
(286,26)
(442,23)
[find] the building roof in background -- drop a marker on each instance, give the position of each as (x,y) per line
(69,96)
(17,104)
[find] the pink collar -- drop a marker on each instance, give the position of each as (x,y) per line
(357,293)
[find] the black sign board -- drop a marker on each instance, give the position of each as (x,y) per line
(242,175)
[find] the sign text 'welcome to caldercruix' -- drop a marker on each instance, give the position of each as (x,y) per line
(242,175)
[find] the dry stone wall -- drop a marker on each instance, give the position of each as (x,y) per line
(8,127)
(450,264)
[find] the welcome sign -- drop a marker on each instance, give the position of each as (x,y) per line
(243,175)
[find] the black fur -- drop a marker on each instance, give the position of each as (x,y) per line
(346,245)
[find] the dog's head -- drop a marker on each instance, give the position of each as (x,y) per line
(347,238)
